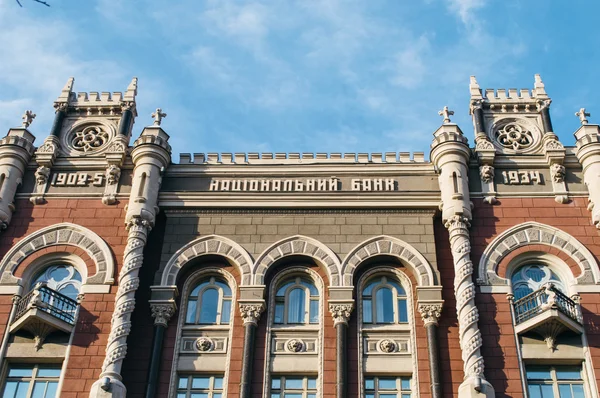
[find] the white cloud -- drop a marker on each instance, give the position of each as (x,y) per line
(465,9)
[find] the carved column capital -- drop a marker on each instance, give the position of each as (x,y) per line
(457,222)
(162,313)
(430,312)
(341,312)
(251,312)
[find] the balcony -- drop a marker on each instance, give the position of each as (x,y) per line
(548,312)
(43,311)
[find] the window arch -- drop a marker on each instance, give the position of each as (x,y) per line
(209,303)
(62,278)
(296,302)
(384,301)
(532,277)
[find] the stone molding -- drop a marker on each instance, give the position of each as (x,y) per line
(212,244)
(251,311)
(298,245)
(60,234)
(340,312)
(162,312)
(530,233)
(387,245)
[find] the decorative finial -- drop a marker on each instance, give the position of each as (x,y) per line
(28,117)
(158,116)
(446,114)
(582,114)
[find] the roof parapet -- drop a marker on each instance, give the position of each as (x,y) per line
(253,158)
(511,94)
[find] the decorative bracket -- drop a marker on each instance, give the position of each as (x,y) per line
(555,156)
(115,156)
(44,156)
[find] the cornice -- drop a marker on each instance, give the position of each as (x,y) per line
(419,212)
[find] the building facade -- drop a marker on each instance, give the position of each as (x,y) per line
(473,274)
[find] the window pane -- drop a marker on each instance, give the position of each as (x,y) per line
(565,391)
(275,396)
(314,311)
(278,313)
(226,312)
(225,287)
(367,311)
(39,390)
(578,391)
(311,287)
(387,384)
(182,382)
(276,383)
(218,383)
(368,290)
(10,389)
(199,395)
(48,372)
(547,391)
(568,373)
(291,382)
(312,383)
(369,384)
(190,316)
(385,305)
(181,396)
(405,384)
(283,288)
(288,395)
(22,390)
(217,395)
(208,310)
(296,303)
(538,373)
(20,372)
(405,395)
(388,395)
(200,382)
(402,311)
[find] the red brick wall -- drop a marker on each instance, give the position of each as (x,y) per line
(495,322)
(93,326)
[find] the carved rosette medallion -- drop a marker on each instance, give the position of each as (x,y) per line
(205,344)
(89,138)
(340,312)
(387,346)
(251,312)
(295,345)
(516,135)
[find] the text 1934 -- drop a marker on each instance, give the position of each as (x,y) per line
(525,177)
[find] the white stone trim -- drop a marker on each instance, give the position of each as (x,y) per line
(298,245)
(194,278)
(387,245)
(319,284)
(212,244)
(405,282)
(61,234)
(534,233)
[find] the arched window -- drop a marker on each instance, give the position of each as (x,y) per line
(529,278)
(296,302)
(209,303)
(62,278)
(384,302)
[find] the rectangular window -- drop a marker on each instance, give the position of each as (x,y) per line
(27,381)
(200,386)
(388,387)
(555,382)
(293,387)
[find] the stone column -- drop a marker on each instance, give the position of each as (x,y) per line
(162,313)
(451,154)
(340,312)
(251,315)
(150,155)
(588,153)
(431,314)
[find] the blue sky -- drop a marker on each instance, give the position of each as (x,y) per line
(299,76)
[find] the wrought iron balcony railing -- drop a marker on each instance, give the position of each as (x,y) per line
(50,301)
(548,297)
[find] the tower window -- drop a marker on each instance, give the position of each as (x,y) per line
(297,302)
(384,302)
(209,303)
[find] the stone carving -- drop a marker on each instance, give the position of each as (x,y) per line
(89,138)
(515,136)
(387,346)
(116,146)
(542,104)
(295,345)
(340,312)
(484,145)
(113,173)
(583,115)
(162,313)
(47,147)
(251,312)
(430,313)
(127,106)
(558,172)
(486,172)
(158,116)
(464,290)
(553,145)
(41,175)
(129,281)
(28,117)
(446,114)
(205,344)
